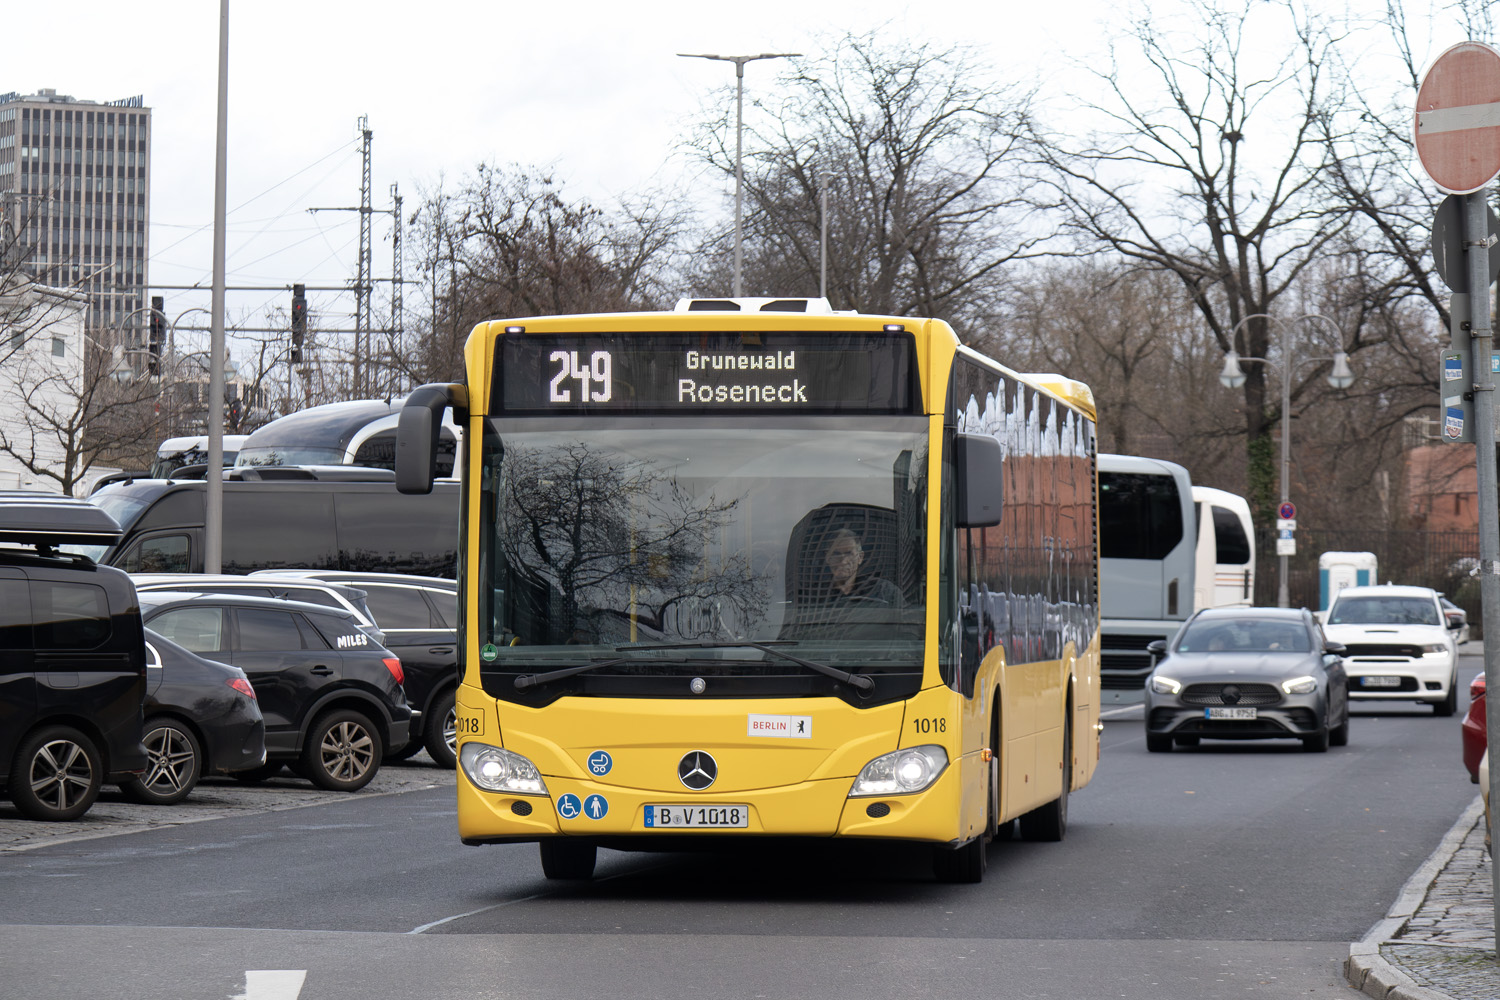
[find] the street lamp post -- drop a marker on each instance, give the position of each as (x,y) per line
(1233,376)
(739,132)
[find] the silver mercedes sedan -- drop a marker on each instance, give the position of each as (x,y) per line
(1247,674)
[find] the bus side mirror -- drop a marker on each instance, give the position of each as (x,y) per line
(978,475)
(417,431)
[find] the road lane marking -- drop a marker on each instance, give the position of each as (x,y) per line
(273,984)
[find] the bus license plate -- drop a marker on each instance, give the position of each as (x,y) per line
(717,817)
(1380,682)
(1229,713)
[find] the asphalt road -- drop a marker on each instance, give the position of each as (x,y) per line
(1229,870)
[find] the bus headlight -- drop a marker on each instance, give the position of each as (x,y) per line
(496,770)
(901,772)
(1300,685)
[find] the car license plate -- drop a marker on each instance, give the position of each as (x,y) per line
(1380,682)
(715,817)
(1229,713)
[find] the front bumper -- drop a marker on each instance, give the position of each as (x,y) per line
(819,808)
(1292,717)
(1416,679)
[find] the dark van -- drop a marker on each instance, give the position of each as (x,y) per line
(275,518)
(357,432)
(72,659)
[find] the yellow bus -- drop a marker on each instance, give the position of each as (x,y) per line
(757,568)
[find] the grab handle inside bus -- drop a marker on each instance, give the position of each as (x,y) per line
(417,432)
(978,480)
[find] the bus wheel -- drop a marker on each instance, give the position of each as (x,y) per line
(1050,822)
(568,859)
(965,865)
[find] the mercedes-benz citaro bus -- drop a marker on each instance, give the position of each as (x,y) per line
(758,569)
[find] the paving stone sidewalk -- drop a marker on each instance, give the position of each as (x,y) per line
(1438,942)
(214,798)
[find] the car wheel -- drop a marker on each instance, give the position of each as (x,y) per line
(1448,705)
(56,775)
(1338,736)
(342,752)
(255,775)
(174,763)
(568,859)
(1159,742)
(405,752)
(1316,743)
(442,731)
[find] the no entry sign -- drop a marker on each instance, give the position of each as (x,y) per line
(1458,118)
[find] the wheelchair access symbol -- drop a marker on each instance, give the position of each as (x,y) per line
(568,806)
(600,762)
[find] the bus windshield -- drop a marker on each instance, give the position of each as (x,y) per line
(699,542)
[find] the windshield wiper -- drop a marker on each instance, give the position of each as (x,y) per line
(860,682)
(532,680)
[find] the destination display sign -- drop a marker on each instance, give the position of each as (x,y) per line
(749,372)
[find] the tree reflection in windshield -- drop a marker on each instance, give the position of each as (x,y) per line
(603,547)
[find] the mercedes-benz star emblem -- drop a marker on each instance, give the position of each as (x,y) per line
(1231,695)
(697,770)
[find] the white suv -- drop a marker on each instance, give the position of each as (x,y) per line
(1400,646)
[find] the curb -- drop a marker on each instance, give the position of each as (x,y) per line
(1366,969)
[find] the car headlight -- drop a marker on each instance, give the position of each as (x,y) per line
(902,772)
(497,770)
(1300,685)
(1437,647)
(1165,685)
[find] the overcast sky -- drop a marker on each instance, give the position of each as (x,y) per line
(593,90)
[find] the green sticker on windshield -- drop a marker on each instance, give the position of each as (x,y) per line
(488,652)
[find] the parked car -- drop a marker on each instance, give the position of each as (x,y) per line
(201,718)
(333,595)
(61,618)
(1475,737)
(1400,645)
(1246,674)
(418,617)
(331,695)
(1454,613)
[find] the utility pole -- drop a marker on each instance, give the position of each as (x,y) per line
(364,382)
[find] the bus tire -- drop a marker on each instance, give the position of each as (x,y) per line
(568,859)
(1050,822)
(965,865)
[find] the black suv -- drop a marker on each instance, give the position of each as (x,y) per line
(72,660)
(330,694)
(418,615)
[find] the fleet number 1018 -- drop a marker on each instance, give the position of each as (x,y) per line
(571,367)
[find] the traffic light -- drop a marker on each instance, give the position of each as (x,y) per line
(299,320)
(157,333)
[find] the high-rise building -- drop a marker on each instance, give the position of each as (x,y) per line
(75,196)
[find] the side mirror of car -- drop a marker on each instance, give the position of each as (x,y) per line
(1454,624)
(1157,648)
(1336,648)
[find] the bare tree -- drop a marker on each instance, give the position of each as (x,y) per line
(918,146)
(506,242)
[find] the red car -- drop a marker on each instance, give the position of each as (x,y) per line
(1473,728)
